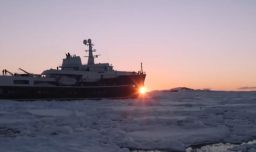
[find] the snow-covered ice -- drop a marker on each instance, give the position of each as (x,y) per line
(162,120)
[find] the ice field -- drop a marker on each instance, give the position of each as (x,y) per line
(161,120)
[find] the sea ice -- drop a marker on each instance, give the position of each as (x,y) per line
(162,120)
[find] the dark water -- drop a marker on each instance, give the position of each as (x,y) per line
(208,148)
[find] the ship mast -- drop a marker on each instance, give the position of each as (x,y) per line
(90,57)
(141,68)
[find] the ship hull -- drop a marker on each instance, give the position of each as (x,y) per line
(93,92)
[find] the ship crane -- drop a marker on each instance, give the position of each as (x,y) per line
(6,71)
(26,72)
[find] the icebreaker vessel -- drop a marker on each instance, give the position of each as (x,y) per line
(73,80)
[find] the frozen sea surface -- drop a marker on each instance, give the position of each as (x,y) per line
(161,120)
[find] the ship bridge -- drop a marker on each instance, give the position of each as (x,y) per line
(71,61)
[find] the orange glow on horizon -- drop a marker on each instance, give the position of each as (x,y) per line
(143,90)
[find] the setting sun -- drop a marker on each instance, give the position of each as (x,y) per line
(142,90)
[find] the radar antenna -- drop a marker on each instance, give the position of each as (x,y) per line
(85,42)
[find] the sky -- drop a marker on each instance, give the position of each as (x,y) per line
(197,44)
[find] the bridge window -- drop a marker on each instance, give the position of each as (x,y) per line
(21,81)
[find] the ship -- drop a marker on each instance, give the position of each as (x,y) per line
(73,80)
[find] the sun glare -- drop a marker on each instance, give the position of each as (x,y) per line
(142,90)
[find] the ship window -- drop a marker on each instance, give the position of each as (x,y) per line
(1,91)
(20,81)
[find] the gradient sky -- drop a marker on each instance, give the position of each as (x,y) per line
(192,43)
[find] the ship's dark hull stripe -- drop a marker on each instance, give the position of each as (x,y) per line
(68,92)
(69,86)
(66,99)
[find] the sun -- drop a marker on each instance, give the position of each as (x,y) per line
(143,90)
